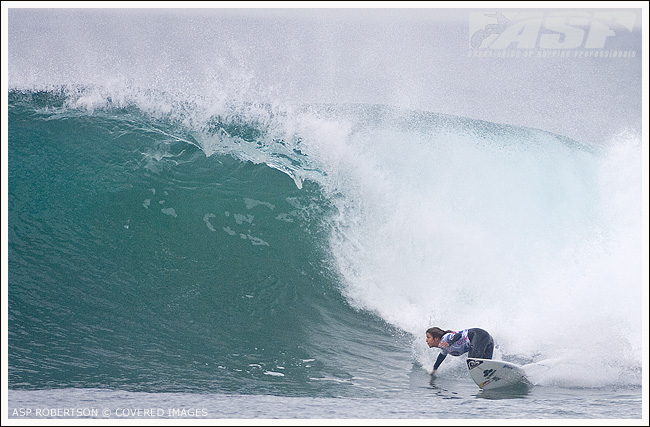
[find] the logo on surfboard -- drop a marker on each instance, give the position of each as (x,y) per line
(471,363)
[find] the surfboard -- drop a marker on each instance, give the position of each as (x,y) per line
(490,374)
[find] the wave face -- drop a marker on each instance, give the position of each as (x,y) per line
(165,242)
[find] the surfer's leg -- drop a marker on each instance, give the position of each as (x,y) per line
(481,344)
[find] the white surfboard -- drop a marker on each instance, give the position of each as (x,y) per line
(490,374)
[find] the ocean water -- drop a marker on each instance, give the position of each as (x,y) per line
(184,247)
(285,264)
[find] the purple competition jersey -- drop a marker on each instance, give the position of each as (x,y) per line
(456,348)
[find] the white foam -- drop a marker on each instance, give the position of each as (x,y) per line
(527,238)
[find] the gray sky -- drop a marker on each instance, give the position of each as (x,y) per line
(413,58)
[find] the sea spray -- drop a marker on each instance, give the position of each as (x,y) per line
(517,231)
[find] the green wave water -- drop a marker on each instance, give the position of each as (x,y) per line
(138,262)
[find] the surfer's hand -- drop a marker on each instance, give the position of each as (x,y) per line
(433,372)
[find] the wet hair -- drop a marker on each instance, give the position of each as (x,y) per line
(436,332)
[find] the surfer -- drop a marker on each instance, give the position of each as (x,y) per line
(476,342)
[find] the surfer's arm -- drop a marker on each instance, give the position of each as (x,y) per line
(455,338)
(439,360)
(444,343)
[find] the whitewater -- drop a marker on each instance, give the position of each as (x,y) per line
(208,241)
